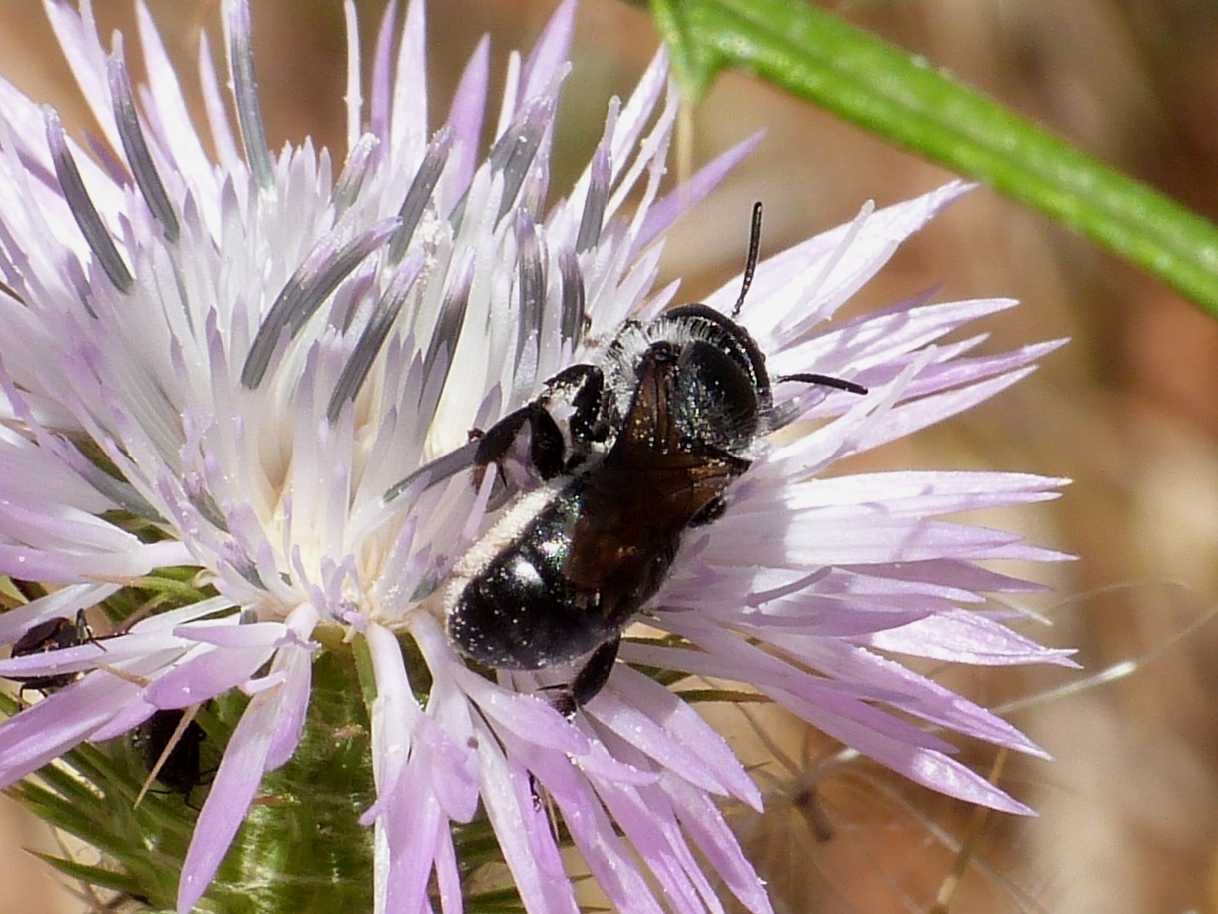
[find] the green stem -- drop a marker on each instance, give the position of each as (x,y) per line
(302,849)
(886,90)
(167,585)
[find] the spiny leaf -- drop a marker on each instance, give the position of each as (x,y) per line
(93,875)
(53,810)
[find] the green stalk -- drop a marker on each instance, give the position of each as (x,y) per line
(817,57)
(302,849)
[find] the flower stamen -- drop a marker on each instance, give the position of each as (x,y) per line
(326,266)
(419,194)
(245,93)
(135,146)
(83,210)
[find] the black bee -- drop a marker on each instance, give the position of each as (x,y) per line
(629,453)
(182,770)
(52,635)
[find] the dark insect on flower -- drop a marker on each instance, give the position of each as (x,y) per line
(52,635)
(262,349)
(629,453)
(182,769)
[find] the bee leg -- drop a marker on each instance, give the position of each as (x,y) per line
(535,791)
(807,801)
(83,631)
(498,439)
(709,512)
(589,681)
(545,443)
(588,425)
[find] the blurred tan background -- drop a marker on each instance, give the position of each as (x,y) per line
(1129,811)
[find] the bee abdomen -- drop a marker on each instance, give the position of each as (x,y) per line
(517,609)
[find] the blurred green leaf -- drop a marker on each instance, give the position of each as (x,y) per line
(900,97)
(731,696)
(93,875)
(693,68)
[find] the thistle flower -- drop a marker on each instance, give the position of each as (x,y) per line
(218,375)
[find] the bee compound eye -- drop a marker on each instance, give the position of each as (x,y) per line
(717,403)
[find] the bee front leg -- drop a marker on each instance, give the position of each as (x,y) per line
(590,679)
(502,442)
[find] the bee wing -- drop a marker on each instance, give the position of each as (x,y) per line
(648,431)
(651,441)
(636,504)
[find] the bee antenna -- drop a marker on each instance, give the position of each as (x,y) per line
(750,264)
(825,381)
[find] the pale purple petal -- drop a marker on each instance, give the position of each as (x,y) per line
(628,722)
(412,831)
(77,36)
(927,411)
(51,565)
(920,492)
(592,831)
(409,119)
(228,800)
(881,540)
(959,371)
(954,573)
(549,54)
(729,657)
(91,654)
(177,128)
(523,832)
(354,97)
(668,833)
(205,675)
(62,604)
(686,725)
(443,735)
(924,697)
(922,765)
(665,211)
(52,726)
(965,637)
(382,73)
(392,713)
(232,634)
(295,662)
(452,764)
(527,716)
(217,116)
(448,879)
(644,827)
(599,762)
(40,733)
(877,338)
(465,116)
(133,713)
(171,619)
(810,698)
(637,110)
(872,245)
(704,823)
